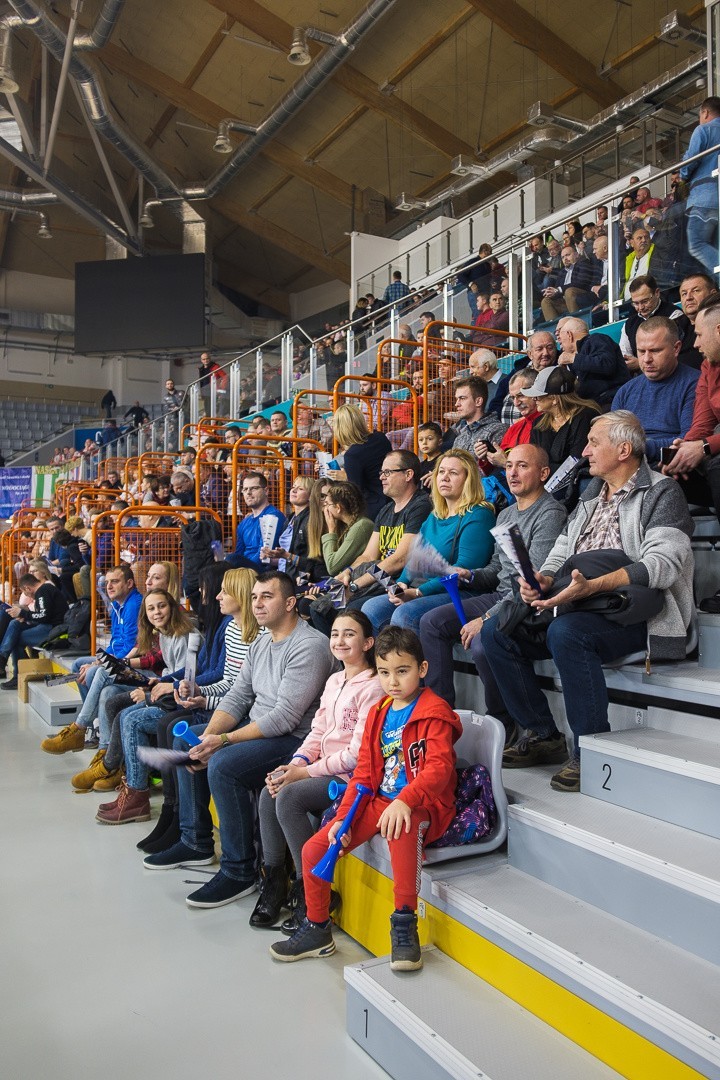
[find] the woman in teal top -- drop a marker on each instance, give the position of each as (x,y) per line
(458,528)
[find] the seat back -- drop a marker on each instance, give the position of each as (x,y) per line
(481,743)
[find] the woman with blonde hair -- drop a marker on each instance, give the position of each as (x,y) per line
(164,575)
(291,553)
(364,453)
(458,529)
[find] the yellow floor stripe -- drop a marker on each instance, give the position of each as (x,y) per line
(365,912)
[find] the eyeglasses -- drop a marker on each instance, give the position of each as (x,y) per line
(386,472)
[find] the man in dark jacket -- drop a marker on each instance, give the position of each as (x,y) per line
(30,627)
(138,415)
(647,301)
(571,288)
(594,359)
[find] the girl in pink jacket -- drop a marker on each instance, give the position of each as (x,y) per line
(300,788)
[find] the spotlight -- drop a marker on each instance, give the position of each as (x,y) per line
(146,221)
(299,53)
(44,231)
(222,144)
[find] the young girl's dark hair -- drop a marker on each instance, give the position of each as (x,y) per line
(349,498)
(400,640)
(209,582)
(179,622)
(365,625)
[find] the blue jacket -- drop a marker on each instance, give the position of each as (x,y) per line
(124,624)
(210,660)
(249,538)
(703,186)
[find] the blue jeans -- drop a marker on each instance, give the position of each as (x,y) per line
(18,634)
(440,631)
(100,687)
(580,644)
(232,774)
(136,723)
(380,611)
(702,236)
(77,664)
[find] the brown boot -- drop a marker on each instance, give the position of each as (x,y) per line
(130,805)
(83,781)
(108,780)
(71,737)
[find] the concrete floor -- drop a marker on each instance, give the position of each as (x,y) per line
(106,973)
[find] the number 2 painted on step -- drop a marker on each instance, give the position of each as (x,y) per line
(606,781)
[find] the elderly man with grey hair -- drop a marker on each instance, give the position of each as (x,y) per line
(541,353)
(629,508)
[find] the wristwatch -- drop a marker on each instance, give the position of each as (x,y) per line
(224,741)
(353,587)
(706,448)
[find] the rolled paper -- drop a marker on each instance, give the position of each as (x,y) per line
(325,869)
(450,583)
(182,731)
(335,789)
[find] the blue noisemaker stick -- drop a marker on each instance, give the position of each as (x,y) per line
(335,789)
(450,583)
(325,869)
(182,730)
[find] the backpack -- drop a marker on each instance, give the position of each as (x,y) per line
(475,812)
(196,538)
(74,633)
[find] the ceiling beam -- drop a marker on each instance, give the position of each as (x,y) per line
(340,128)
(255,288)
(428,47)
(183,97)
(523,27)
(272,28)
(254,223)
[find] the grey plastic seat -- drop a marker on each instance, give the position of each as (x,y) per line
(481,743)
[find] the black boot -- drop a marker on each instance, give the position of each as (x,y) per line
(273,897)
(3,666)
(167,813)
(297,908)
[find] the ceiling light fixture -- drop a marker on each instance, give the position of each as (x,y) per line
(299,53)
(677,27)
(146,221)
(44,230)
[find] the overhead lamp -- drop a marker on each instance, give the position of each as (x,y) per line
(407,202)
(146,221)
(222,144)
(676,26)
(299,53)
(44,230)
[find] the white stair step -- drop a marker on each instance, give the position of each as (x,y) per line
(658,876)
(446,1024)
(659,773)
(663,993)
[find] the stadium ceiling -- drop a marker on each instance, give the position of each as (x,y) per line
(424,81)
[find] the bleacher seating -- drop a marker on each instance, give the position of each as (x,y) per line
(24,424)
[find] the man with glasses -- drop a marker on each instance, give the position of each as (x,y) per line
(396,526)
(249,536)
(646,301)
(541,353)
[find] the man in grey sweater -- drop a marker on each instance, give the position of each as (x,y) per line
(540,520)
(262,721)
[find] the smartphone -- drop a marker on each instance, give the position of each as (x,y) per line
(491,448)
(667,453)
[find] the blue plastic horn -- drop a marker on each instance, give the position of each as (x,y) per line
(325,869)
(335,789)
(450,582)
(182,730)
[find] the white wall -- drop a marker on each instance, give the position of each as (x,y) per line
(305,304)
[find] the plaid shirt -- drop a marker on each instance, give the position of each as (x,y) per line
(396,290)
(603,530)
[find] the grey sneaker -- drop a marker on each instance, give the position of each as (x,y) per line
(308,940)
(568,778)
(405,954)
(534,749)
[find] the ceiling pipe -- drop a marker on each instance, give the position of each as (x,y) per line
(222,143)
(103,29)
(322,69)
(8,82)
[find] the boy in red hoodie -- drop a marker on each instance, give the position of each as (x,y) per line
(406,757)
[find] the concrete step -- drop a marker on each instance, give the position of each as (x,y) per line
(56,705)
(657,876)
(445,1024)
(660,992)
(664,775)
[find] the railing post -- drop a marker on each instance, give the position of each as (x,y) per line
(313,366)
(286,357)
(234,397)
(194,403)
(394,322)
(213,397)
(258,379)
(349,350)
(527,292)
(613,229)
(513,267)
